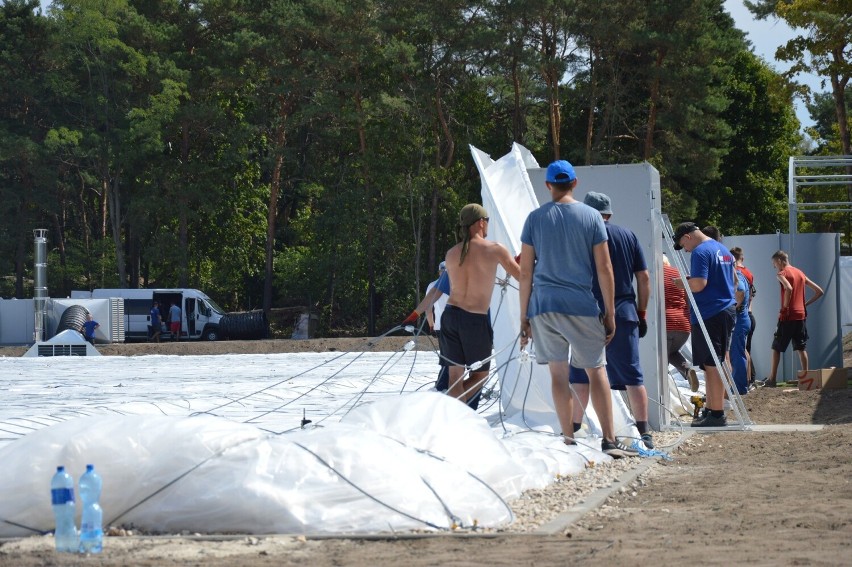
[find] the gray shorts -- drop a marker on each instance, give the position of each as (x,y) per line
(554,333)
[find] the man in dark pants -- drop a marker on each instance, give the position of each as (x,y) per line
(622,352)
(711,281)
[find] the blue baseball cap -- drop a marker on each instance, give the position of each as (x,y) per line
(560,171)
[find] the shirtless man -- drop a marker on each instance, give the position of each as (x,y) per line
(466,333)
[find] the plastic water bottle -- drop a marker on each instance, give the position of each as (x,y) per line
(91,526)
(62,498)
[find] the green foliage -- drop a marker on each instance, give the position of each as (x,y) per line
(185,144)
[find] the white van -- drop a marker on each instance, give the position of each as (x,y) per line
(200,315)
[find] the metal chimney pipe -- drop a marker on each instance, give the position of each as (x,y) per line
(40,282)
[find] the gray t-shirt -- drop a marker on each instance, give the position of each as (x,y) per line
(563,235)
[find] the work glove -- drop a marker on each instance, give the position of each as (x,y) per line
(643,324)
(412,318)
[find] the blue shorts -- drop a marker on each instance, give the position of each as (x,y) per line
(622,358)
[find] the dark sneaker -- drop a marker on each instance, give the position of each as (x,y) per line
(710,421)
(617,450)
(648,440)
(692,377)
(767,383)
(701,415)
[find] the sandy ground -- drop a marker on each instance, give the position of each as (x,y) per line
(762,498)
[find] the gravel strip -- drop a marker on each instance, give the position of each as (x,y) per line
(537,507)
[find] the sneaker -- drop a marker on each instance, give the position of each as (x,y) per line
(702,413)
(767,383)
(648,440)
(710,421)
(692,376)
(617,450)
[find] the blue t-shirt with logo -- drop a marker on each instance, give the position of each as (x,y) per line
(713,262)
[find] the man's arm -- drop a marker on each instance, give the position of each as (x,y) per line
(788,290)
(429,300)
(696,285)
(643,292)
(816,289)
(512,268)
(525,284)
(606,280)
(643,289)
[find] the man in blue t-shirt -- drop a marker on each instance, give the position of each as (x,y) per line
(622,353)
(156,322)
(564,245)
(712,284)
(89,327)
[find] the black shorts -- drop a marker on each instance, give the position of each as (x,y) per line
(719,327)
(466,337)
(787,331)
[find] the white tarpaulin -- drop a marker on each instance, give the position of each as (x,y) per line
(212,444)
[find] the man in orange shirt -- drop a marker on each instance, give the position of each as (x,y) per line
(793,314)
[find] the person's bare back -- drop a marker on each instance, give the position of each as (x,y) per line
(473,280)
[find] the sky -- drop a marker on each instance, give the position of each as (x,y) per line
(766,36)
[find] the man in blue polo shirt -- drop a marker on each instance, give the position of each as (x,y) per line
(712,284)
(622,353)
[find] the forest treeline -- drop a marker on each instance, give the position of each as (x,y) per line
(316,152)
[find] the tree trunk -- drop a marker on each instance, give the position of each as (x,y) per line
(551,79)
(450,149)
(838,91)
(590,123)
(272,217)
(654,103)
(63,260)
(518,121)
(183,214)
(114,203)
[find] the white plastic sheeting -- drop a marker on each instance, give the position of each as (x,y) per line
(212,444)
(429,466)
